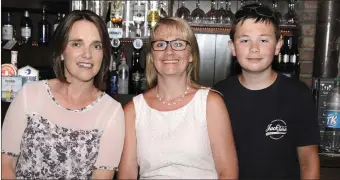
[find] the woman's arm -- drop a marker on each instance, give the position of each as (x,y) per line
(128,168)
(111,145)
(8,166)
(221,138)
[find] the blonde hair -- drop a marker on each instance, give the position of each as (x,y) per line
(184,28)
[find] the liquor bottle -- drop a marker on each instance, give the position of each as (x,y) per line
(26,27)
(139,16)
(109,23)
(44,30)
(153,14)
(56,22)
(116,47)
(137,71)
(113,77)
(294,58)
(331,139)
(8,28)
(117,19)
(162,12)
(285,65)
(123,76)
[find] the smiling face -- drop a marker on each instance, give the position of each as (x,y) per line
(255,45)
(169,61)
(83,54)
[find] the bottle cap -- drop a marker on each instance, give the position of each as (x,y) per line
(137,43)
(115,42)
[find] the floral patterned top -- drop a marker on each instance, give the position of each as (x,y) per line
(53,142)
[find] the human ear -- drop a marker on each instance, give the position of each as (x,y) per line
(232,47)
(278,46)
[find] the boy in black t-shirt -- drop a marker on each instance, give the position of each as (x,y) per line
(273,117)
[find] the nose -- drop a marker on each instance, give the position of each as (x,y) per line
(169,50)
(254,47)
(87,52)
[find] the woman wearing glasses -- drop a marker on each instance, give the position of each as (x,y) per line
(176,129)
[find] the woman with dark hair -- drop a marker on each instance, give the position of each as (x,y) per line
(67,127)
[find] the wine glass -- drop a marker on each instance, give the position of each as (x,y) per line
(197,15)
(183,12)
(221,14)
(291,18)
(230,18)
(278,15)
(211,15)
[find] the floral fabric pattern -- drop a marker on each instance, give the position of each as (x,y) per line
(49,151)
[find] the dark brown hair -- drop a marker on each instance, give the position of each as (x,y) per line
(253,14)
(60,38)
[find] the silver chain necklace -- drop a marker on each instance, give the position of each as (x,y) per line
(169,103)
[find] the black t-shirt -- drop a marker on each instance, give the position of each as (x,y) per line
(268,126)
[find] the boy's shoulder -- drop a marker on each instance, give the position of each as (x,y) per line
(226,83)
(287,83)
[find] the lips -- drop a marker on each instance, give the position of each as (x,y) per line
(254,59)
(170,61)
(84,65)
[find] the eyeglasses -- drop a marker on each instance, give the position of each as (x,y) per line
(259,10)
(176,45)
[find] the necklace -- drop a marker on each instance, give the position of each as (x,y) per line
(169,103)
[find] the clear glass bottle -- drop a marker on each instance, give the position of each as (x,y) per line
(44,29)
(26,28)
(8,28)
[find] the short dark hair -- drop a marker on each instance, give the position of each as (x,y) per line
(260,13)
(60,38)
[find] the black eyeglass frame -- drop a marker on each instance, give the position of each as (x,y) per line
(169,42)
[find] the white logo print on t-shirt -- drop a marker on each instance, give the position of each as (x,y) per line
(276,129)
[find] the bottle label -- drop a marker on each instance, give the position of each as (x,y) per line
(138,14)
(333,119)
(111,32)
(116,33)
(7,32)
(55,26)
(136,76)
(293,58)
(286,58)
(123,74)
(113,85)
(26,32)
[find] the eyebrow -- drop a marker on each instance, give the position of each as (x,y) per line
(240,36)
(80,40)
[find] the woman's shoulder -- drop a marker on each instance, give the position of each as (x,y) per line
(34,86)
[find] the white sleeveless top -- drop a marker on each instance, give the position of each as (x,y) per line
(174,144)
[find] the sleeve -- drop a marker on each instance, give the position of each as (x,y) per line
(307,127)
(112,141)
(14,124)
